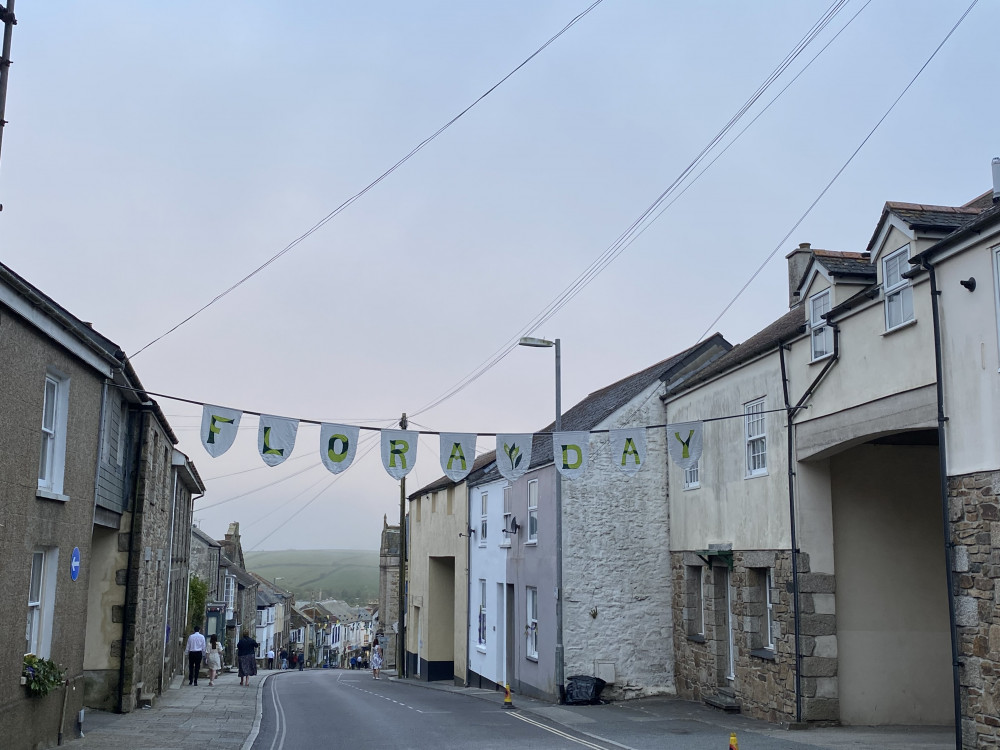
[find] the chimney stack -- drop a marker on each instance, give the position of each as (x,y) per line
(996,179)
(798,261)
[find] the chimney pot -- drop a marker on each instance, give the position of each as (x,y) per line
(996,179)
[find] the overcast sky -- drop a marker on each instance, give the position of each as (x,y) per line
(156,153)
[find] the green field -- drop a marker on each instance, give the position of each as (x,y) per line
(348,575)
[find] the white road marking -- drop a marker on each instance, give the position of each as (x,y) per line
(281,725)
(547,728)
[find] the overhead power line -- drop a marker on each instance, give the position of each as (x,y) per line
(335,212)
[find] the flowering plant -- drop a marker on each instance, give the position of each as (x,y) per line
(40,675)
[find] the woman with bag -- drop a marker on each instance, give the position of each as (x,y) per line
(214,658)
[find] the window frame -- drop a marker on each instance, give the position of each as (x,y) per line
(769,610)
(481,643)
(41,601)
(508,499)
(696,602)
(753,415)
(531,622)
(692,476)
(484,504)
(52,446)
(901,289)
(819,328)
(532,512)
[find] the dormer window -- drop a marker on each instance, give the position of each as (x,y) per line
(822,333)
(897,290)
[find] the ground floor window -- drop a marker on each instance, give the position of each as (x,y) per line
(531,626)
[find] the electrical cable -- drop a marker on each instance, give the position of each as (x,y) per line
(416,149)
(839,172)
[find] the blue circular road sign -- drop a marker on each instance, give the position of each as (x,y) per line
(74,564)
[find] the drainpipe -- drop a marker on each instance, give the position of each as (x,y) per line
(468,586)
(170,570)
(140,443)
(943,486)
(791,412)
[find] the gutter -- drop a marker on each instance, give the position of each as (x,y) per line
(925,264)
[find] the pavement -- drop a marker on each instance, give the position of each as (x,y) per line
(228,716)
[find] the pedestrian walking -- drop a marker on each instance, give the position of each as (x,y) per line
(270,658)
(376,658)
(214,659)
(284,658)
(302,660)
(246,654)
(194,649)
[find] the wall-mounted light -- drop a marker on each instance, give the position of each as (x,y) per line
(969,283)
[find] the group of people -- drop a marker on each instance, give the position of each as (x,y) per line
(290,660)
(211,651)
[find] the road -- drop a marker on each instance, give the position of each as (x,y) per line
(345,708)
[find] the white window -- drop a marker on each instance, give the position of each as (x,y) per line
(482,611)
(531,625)
(533,510)
(507,515)
(822,333)
(52,458)
(229,593)
(484,502)
(41,602)
(756,438)
(691,480)
(897,290)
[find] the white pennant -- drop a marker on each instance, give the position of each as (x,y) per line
(513,454)
(570,451)
(276,438)
(458,452)
(219,426)
(684,441)
(399,451)
(628,449)
(337,445)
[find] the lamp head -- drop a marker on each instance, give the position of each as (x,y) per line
(532,341)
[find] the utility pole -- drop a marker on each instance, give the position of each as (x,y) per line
(7,16)
(401,634)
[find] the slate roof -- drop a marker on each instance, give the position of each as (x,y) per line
(787,327)
(591,411)
(919,216)
(195,531)
(984,218)
(850,265)
(241,575)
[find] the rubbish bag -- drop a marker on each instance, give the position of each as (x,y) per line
(582,690)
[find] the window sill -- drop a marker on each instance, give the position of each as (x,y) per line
(534,658)
(764,653)
(692,487)
(481,649)
(697,638)
(756,476)
(900,327)
(823,359)
(504,545)
(49,495)
(531,543)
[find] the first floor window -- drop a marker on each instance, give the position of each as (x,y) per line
(531,626)
(507,514)
(897,290)
(484,501)
(822,333)
(756,438)
(691,477)
(52,455)
(533,510)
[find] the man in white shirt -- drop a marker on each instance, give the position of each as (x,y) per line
(194,649)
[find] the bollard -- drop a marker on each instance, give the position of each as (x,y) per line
(733,745)
(507,702)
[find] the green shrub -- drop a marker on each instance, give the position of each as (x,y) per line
(40,675)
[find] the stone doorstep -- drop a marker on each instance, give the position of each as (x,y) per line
(725,702)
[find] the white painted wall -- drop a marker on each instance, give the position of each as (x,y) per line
(488,562)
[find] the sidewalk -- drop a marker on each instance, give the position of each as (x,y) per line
(202,717)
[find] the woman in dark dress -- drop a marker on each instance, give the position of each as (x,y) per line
(246,655)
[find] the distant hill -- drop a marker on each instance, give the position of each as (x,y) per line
(346,574)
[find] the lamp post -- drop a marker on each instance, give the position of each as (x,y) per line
(544,343)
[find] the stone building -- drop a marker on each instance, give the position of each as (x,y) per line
(388,592)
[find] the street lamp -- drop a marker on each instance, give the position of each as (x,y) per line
(544,343)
